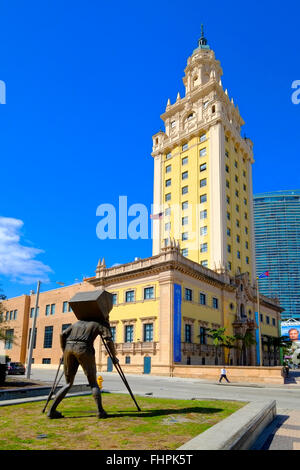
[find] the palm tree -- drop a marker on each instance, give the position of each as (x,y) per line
(247,340)
(281,342)
(218,336)
(229,343)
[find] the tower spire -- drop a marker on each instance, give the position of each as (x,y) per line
(202,41)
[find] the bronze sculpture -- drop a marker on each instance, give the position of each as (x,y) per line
(92,309)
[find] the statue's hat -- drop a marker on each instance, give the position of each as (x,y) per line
(92,305)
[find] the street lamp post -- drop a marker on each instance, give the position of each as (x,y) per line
(29,360)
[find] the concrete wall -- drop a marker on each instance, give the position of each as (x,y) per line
(234,373)
(246,374)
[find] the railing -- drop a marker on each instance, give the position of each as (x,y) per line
(244,319)
(135,348)
(193,348)
(190,348)
(152,347)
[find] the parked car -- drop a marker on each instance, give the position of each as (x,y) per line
(14,368)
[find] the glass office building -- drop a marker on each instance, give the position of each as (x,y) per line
(277,239)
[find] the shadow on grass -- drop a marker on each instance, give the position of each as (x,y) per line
(154,413)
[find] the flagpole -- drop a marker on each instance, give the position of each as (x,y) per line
(258,316)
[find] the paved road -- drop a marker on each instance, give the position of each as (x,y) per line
(282,434)
(286,396)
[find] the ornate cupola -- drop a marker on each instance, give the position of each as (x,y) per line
(202,42)
(202,66)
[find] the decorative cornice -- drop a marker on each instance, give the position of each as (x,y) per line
(203,323)
(270,303)
(170,259)
(189,319)
(146,319)
(191,97)
(169,142)
(129,320)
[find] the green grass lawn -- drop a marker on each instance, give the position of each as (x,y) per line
(163,424)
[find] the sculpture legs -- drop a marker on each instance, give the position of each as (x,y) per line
(72,359)
(70,366)
(61,394)
(89,366)
(97,397)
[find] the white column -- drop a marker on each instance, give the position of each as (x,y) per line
(157,205)
(251,223)
(217,209)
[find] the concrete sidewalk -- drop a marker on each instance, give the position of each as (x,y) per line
(282,434)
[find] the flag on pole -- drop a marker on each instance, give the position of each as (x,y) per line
(264,274)
(157,216)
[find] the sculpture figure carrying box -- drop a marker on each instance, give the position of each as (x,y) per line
(92,310)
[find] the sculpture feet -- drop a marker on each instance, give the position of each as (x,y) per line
(102,414)
(54,415)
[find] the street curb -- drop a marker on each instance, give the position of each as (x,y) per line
(237,432)
(43,392)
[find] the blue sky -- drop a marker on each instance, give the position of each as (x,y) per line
(86,83)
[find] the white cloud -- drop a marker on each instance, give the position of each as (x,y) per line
(16,260)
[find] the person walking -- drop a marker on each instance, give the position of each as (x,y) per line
(223,375)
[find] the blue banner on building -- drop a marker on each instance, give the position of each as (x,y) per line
(177,324)
(257,339)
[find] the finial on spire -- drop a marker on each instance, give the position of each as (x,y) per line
(202,41)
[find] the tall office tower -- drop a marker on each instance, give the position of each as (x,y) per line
(203,173)
(277,236)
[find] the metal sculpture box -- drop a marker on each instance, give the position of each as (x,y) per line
(92,305)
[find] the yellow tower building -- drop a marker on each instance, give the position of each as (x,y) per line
(203,174)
